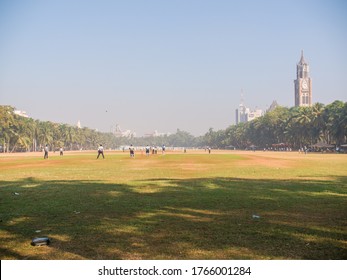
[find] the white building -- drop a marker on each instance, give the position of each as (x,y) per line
(118,132)
(254,114)
(21,113)
(244,114)
(155,133)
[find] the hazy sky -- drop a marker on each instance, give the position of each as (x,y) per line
(161,65)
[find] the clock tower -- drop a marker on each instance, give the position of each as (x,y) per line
(303,84)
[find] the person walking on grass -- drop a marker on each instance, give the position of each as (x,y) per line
(100,151)
(46,152)
(132,151)
(163,150)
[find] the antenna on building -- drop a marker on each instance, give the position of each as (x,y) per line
(242,101)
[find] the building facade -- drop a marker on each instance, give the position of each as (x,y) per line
(303,84)
(21,113)
(244,114)
(118,132)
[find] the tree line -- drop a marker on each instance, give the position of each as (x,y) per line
(293,127)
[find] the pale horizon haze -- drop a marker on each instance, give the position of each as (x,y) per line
(166,65)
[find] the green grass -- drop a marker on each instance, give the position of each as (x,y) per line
(177,206)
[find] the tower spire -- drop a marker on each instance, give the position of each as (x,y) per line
(302,60)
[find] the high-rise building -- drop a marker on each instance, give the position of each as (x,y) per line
(303,84)
(244,114)
(241,113)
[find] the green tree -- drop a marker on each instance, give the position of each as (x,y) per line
(335,117)
(6,124)
(45,134)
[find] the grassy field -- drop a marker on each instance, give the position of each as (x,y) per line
(176,206)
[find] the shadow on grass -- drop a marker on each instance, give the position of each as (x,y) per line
(205,218)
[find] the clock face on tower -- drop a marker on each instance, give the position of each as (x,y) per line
(304,84)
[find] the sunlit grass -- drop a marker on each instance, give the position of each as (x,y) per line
(177,206)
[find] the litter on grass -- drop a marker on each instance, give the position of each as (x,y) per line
(40,241)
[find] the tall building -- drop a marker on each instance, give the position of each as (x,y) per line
(303,84)
(244,114)
(241,113)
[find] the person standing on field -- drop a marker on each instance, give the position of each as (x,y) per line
(132,151)
(46,152)
(163,150)
(100,151)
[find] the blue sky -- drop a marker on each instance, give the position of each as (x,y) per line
(162,65)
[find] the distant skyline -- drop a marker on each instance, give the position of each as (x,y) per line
(166,65)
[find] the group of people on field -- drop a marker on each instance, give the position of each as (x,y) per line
(46,150)
(100,151)
(131,150)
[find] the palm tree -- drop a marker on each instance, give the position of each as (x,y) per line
(34,127)
(70,136)
(6,126)
(304,120)
(45,133)
(335,117)
(317,120)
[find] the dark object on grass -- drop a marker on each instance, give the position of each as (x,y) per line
(39,241)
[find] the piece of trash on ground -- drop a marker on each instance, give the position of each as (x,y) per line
(40,241)
(255,216)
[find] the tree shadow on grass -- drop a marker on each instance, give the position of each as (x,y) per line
(163,218)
